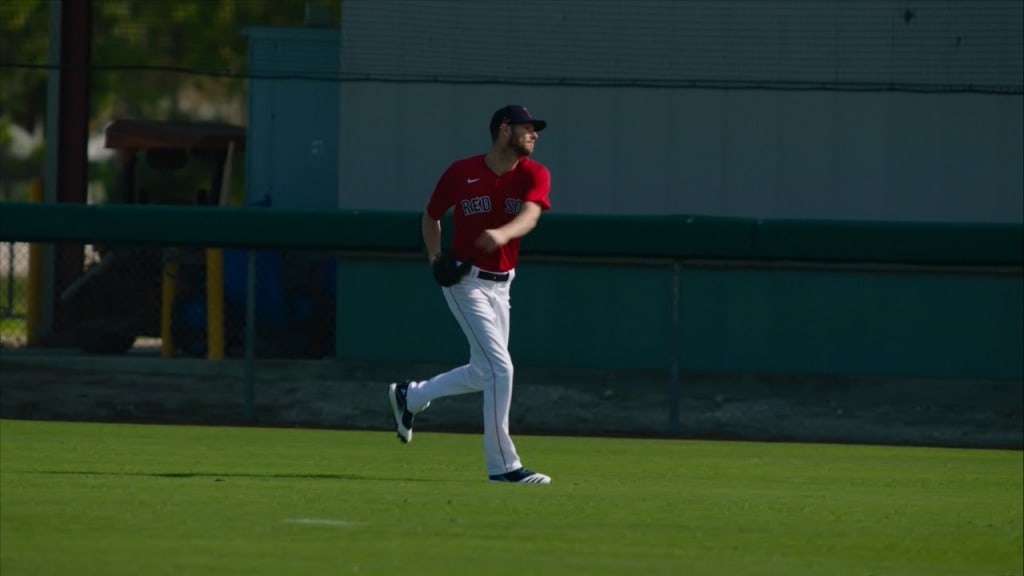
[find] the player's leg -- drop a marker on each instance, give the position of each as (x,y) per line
(470,304)
(504,305)
(499,449)
(500,468)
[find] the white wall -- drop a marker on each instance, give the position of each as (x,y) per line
(691,147)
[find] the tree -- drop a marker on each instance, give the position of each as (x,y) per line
(24,39)
(158,60)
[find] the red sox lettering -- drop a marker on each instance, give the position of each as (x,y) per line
(482,205)
(476,205)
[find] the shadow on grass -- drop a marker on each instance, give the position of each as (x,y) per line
(219,477)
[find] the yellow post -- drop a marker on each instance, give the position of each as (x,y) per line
(168,291)
(215,275)
(34,303)
(214,303)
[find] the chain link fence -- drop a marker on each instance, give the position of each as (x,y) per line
(151,299)
(180,64)
(13,293)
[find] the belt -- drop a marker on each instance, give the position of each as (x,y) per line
(483,275)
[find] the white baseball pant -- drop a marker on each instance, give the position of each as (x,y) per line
(481,308)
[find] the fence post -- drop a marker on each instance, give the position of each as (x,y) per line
(168,291)
(33,304)
(674,392)
(250,333)
(215,303)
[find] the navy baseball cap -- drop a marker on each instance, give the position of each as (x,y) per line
(515,114)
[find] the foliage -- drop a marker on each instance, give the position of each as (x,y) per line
(159,60)
(24,39)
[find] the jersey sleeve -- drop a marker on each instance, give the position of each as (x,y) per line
(442,197)
(540,188)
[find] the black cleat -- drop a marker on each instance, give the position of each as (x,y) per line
(403,418)
(521,476)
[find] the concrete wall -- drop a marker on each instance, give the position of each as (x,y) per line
(728,119)
(292,132)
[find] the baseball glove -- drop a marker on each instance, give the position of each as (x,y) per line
(447,269)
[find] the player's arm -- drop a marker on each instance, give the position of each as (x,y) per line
(431,229)
(439,203)
(517,227)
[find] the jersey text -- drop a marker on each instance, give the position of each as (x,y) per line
(477,205)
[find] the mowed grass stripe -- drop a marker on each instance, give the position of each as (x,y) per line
(86,499)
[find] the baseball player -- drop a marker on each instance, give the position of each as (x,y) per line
(497,198)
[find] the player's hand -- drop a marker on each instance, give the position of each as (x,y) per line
(448,271)
(491,240)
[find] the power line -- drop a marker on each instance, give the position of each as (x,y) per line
(652,83)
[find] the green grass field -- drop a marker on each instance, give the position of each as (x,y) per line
(90,499)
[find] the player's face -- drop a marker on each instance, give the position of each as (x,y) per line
(522,138)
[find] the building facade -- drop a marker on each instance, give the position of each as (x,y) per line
(768,109)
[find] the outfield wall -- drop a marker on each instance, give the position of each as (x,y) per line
(811,320)
(649,293)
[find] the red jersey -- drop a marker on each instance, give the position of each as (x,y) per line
(484,200)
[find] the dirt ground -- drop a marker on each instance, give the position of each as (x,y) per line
(331,395)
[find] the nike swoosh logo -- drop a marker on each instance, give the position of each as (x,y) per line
(471,180)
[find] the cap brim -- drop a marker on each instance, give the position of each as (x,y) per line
(538,125)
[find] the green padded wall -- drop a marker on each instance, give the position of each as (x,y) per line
(731,320)
(562,316)
(853,323)
(883,316)
(592,316)
(391,311)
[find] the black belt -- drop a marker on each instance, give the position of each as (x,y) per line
(492,276)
